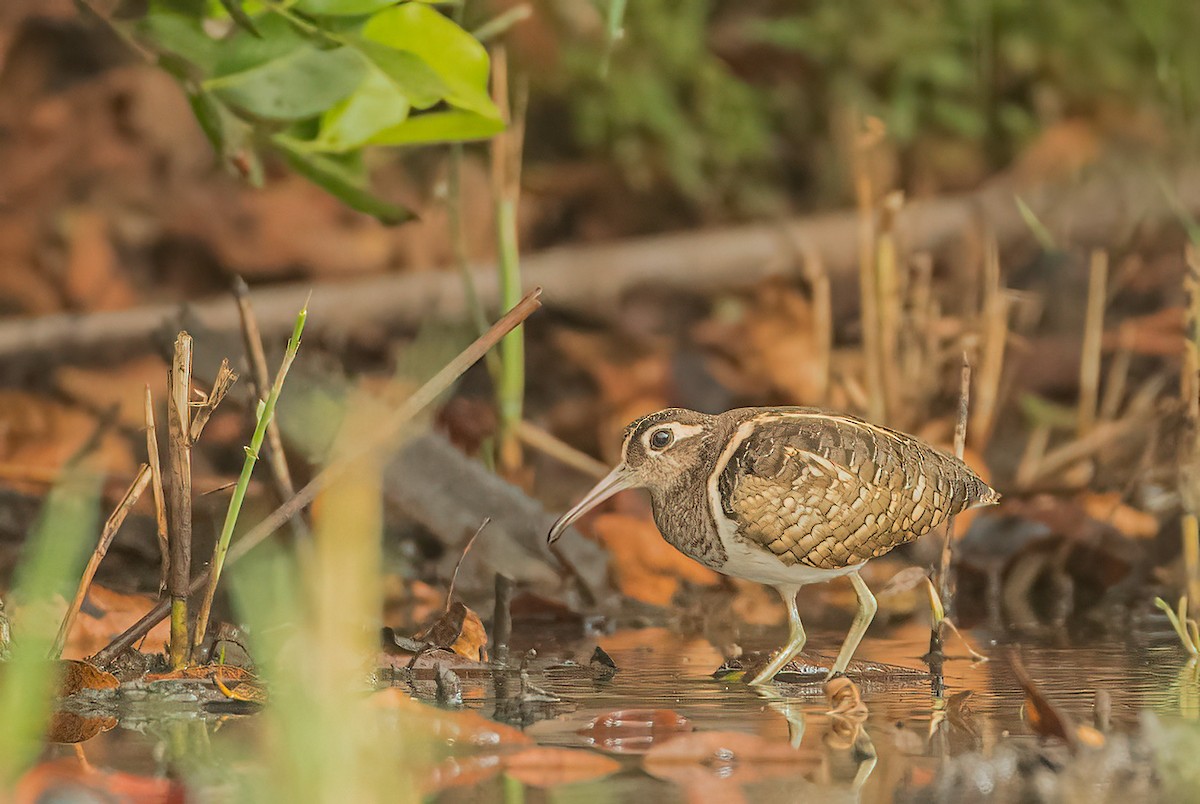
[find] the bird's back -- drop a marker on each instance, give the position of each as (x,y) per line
(829,490)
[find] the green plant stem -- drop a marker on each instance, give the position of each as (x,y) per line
(266,412)
(511,388)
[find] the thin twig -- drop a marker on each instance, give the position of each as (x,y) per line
(156,483)
(994,319)
(179,467)
(391,431)
(106,537)
(546,442)
(466,549)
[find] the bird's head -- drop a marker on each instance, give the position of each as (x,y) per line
(658,450)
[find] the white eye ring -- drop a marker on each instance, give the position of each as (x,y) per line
(660,439)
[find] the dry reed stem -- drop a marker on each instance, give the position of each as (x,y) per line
(156,483)
(107,535)
(389,434)
(1115,383)
(179,495)
(543,441)
(1093,337)
(487,520)
(225,379)
(260,381)
(1029,466)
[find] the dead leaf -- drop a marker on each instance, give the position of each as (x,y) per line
(248,691)
(459,629)
(634,731)
(643,566)
(706,757)
(93,279)
(75,675)
(228,673)
(123,386)
(68,779)
(1109,508)
(465,727)
(1042,716)
(106,614)
(38,435)
(845,699)
(960,714)
(540,766)
(69,727)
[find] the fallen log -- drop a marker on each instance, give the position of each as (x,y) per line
(1100,209)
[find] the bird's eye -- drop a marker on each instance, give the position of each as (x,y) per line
(661,439)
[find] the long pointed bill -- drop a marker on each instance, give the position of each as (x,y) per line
(616,480)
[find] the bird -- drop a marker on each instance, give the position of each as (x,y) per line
(787,496)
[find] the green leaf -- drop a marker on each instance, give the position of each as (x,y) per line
(303,83)
(377,104)
(231,138)
(450,126)
(241,51)
(332,175)
(418,81)
(180,35)
(336,8)
(457,58)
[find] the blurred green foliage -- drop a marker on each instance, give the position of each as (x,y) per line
(725,101)
(320,80)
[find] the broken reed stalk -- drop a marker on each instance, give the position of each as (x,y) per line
(111,527)
(864,143)
(506,191)
(225,379)
(502,619)
(960,442)
(156,483)
(389,434)
(179,491)
(1093,337)
(281,475)
(266,412)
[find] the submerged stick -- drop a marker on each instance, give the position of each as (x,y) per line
(179,510)
(107,535)
(388,435)
(266,413)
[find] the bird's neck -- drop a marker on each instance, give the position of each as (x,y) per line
(685,519)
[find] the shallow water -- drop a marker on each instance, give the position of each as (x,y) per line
(797,748)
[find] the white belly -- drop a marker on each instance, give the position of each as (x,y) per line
(745,560)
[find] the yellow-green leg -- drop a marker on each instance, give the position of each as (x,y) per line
(796,638)
(862,619)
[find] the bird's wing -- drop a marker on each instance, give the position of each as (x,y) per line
(831,491)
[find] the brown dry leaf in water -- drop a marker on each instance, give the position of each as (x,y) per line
(845,699)
(708,757)
(1041,715)
(465,727)
(644,566)
(69,727)
(75,675)
(960,714)
(227,672)
(458,629)
(1108,507)
(540,766)
(248,691)
(634,731)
